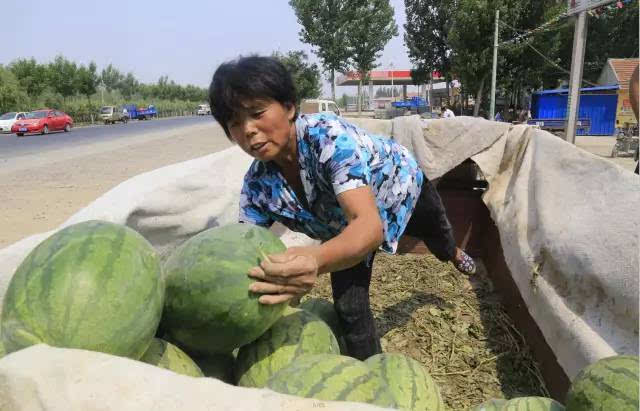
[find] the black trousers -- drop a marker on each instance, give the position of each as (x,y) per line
(350,287)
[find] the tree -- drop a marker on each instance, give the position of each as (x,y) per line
(62,76)
(128,86)
(426,37)
(306,76)
(12,97)
(87,80)
(371,27)
(33,77)
(324,26)
(471,40)
(111,77)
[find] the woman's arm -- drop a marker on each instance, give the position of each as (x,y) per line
(362,235)
(295,271)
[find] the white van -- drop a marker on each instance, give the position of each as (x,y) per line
(316,106)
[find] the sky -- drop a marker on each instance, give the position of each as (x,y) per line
(185,40)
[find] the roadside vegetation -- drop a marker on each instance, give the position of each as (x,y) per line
(80,91)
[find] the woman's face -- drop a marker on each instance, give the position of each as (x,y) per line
(263,129)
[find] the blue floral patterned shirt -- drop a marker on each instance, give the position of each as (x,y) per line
(334,156)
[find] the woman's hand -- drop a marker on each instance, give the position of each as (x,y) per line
(282,277)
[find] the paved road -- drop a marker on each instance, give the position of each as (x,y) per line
(14,146)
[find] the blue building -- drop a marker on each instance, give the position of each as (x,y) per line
(599,104)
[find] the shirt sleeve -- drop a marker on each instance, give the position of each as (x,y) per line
(345,163)
(250,211)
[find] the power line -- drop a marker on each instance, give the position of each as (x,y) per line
(555,64)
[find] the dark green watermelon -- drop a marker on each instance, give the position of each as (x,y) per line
(296,333)
(93,285)
(208,308)
(166,355)
(411,385)
(332,377)
(327,313)
(608,384)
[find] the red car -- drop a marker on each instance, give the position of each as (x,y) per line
(43,121)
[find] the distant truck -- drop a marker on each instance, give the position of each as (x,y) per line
(203,110)
(141,113)
(112,114)
(414,103)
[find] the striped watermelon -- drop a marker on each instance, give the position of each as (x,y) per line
(327,313)
(332,377)
(608,384)
(494,404)
(411,385)
(93,285)
(208,306)
(532,404)
(296,333)
(218,366)
(166,355)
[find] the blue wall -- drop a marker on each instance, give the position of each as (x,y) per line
(600,108)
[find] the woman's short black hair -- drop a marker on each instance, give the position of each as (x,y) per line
(249,78)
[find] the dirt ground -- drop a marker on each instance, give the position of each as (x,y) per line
(38,192)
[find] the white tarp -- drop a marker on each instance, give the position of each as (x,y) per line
(56,379)
(568,221)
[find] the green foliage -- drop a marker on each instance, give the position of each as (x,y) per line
(31,75)
(426,37)
(324,26)
(62,76)
(306,76)
(110,77)
(371,27)
(87,80)
(12,98)
(27,85)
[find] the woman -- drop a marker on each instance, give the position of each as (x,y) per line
(319,175)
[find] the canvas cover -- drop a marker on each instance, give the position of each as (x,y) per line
(568,223)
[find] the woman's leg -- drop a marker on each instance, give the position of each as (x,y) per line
(351,300)
(429,222)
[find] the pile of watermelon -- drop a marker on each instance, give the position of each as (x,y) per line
(101,286)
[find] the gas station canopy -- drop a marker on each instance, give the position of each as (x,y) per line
(381,78)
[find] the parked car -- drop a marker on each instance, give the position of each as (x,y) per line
(43,121)
(317,106)
(8,119)
(111,114)
(203,110)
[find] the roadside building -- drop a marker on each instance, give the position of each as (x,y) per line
(617,72)
(597,104)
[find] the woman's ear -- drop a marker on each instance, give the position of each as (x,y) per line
(291,111)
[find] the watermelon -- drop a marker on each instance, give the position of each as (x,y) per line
(218,366)
(532,404)
(166,355)
(411,385)
(332,377)
(608,384)
(494,404)
(93,285)
(327,313)
(208,306)
(296,333)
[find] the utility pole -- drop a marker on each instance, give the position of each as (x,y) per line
(492,110)
(575,80)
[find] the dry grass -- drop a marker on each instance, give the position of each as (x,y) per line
(454,325)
